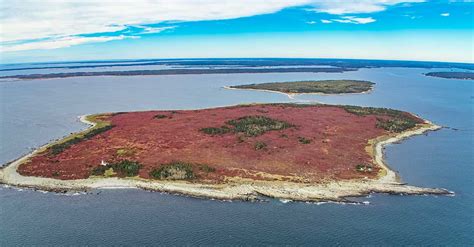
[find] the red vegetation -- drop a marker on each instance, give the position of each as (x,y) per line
(323,142)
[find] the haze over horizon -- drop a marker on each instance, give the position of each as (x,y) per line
(41,31)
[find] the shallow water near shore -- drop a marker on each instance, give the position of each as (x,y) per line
(35,112)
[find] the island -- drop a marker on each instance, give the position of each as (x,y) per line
(452,75)
(301,152)
(313,86)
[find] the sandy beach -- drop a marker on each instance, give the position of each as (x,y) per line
(237,188)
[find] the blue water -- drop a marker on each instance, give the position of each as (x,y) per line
(35,112)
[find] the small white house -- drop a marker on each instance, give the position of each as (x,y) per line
(103,163)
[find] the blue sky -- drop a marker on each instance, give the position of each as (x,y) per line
(49,30)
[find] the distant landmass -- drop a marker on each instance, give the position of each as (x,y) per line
(453,75)
(321,86)
(178,72)
(249,62)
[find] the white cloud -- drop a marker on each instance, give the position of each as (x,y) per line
(445,14)
(66,22)
(60,43)
(341,7)
(150,30)
(351,20)
(413,17)
(311,22)
(37,19)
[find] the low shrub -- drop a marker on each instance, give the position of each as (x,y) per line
(124,168)
(216,131)
(399,121)
(125,152)
(260,145)
(257,125)
(173,171)
(363,111)
(160,116)
(206,168)
(396,125)
(96,131)
(99,171)
(249,126)
(304,140)
(60,147)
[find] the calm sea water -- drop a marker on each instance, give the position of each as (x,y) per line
(35,112)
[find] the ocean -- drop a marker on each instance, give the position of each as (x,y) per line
(34,112)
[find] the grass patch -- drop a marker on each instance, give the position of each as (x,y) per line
(173,171)
(125,152)
(109,172)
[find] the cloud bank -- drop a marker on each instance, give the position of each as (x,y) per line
(51,24)
(341,7)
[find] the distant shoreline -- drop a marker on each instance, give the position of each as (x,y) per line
(452,75)
(179,72)
(252,62)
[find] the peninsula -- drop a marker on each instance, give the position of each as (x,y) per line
(452,75)
(321,86)
(289,151)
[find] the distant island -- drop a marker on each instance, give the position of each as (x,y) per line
(288,151)
(453,75)
(321,86)
(178,72)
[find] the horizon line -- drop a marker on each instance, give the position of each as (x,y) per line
(229,58)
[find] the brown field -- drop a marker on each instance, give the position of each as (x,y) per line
(321,142)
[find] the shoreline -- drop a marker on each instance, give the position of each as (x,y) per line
(237,188)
